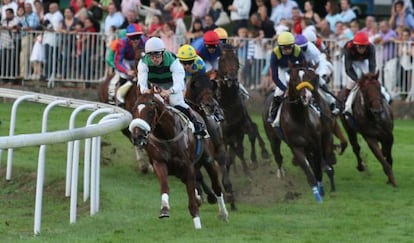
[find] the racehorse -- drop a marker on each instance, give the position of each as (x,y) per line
(168,139)
(303,130)
(373,119)
(237,121)
(130,98)
(199,94)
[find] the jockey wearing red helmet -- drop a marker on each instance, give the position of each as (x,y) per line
(208,49)
(359,58)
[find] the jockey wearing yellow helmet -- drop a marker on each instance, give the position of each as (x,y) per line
(191,62)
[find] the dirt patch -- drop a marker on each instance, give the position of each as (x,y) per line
(263,187)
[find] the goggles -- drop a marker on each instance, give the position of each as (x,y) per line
(156,54)
(286,47)
(190,62)
(211,46)
(134,37)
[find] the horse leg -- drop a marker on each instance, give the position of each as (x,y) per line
(275,145)
(190,180)
(144,166)
(386,146)
(162,174)
(339,134)
(352,136)
(302,161)
(220,157)
(202,186)
(256,134)
(373,145)
(212,171)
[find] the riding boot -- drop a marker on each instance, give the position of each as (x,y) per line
(386,95)
(218,114)
(329,98)
(277,100)
(198,126)
(122,91)
(344,96)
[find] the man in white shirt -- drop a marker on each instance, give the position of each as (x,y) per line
(239,14)
(114,18)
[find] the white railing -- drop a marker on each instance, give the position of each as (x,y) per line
(116,120)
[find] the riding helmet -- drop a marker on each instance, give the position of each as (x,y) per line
(285,39)
(154,44)
(301,40)
(361,38)
(133,29)
(211,38)
(222,33)
(186,53)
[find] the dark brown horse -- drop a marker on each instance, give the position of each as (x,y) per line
(199,94)
(173,149)
(373,119)
(303,130)
(237,121)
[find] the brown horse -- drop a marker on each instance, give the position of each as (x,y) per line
(373,119)
(308,136)
(173,149)
(199,94)
(237,121)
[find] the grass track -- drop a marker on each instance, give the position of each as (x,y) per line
(363,209)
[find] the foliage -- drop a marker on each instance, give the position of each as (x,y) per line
(363,209)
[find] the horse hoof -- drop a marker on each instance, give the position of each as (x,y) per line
(164,213)
(211,199)
(360,168)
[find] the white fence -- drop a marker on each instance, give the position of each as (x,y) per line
(115,120)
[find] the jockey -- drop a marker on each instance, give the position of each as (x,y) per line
(222,34)
(286,51)
(208,49)
(314,56)
(110,60)
(125,59)
(359,58)
(192,64)
(162,68)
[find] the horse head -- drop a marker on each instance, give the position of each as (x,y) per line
(371,92)
(302,82)
(228,66)
(201,93)
(149,109)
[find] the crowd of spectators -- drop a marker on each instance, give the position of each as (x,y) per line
(258,20)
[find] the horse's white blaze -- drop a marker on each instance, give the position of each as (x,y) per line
(197,222)
(165,200)
(138,122)
(140,107)
(308,95)
(301,73)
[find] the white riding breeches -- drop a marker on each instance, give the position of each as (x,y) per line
(360,67)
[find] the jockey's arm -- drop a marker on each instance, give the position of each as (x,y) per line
(143,77)
(119,61)
(274,64)
(348,66)
(178,76)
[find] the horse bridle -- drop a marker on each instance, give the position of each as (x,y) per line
(373,99)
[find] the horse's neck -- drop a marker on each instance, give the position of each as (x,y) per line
(297,109)
(166,126)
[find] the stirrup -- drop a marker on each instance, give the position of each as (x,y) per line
(334,109)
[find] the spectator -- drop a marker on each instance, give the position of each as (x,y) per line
(39,10)
(310,13)
(347,14)
(82,13)
(6,5)
(307,25)
(130,5)
(267,27)
(354,26)
(332,16)
(196,31)
(199,10)
(276,12)
(405,56)
(400,17)
(51,23)
(153,9)
(156,25)
(262,9)
(37,57)
(8,31)
(215,9)
(178,8)
(370,27)
(209,23)
(297,20)
(113,19)
(286,7)
(30,22)
(167,35)
(89,49)
(239,14)
(325,30)
(131,18)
